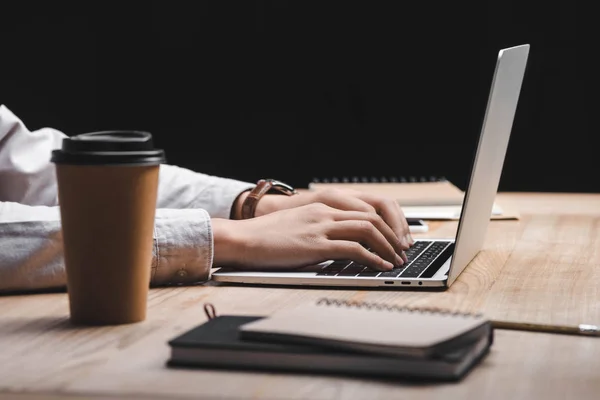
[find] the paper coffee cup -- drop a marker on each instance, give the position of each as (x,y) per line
(107,190)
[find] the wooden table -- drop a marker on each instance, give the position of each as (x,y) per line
(543,268)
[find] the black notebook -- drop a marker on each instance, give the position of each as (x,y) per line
(216,344)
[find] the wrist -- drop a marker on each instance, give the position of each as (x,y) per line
(228,247)
(269,203)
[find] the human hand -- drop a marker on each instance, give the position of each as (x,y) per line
(306,235)
(350,200)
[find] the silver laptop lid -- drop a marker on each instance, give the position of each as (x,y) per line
(489,157)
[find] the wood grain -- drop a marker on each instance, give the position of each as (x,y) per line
(542,268)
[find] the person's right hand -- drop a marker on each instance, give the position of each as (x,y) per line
(306,235)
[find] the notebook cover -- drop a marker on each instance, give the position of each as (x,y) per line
(222,332)
(409,334)
(216,344)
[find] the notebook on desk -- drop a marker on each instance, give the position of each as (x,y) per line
(435,347)
(432,262)
(411,191)
(358,327)
(431,198)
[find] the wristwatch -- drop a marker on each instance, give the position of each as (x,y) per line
(263,187)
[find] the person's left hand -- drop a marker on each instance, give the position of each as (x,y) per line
(348,200)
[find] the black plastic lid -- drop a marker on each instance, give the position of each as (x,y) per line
(109,148)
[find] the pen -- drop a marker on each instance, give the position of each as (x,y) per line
(581,329)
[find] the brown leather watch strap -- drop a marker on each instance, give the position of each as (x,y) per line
(263,187)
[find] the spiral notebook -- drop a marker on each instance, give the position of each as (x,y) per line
(370,328)
(432,198)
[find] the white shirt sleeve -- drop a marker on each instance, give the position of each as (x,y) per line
(26,174)
(30,235)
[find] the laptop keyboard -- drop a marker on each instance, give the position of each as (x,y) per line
(424,259)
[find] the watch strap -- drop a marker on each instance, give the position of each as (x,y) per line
(262,187)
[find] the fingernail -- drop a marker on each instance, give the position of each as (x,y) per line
(399,260)
(404,257)
(388,265)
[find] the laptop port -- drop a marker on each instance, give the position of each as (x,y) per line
(406,282)
(389,282)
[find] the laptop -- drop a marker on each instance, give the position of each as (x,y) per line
(431,262)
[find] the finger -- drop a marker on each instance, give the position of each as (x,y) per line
(378,222)
(343,201)
(353,200)
(363,231)
(402,217)
(392,214)
(341,249)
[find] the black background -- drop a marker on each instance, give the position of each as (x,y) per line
(300,89)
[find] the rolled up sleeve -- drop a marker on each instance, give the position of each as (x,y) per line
(31,248)
(183,247)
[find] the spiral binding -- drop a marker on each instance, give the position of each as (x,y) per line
(392,179)
(380,306)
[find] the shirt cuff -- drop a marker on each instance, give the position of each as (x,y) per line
(183,247)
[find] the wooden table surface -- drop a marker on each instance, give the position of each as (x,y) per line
(544,267)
